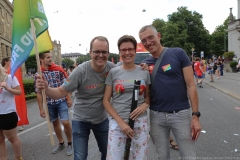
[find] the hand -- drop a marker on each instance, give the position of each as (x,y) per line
(195,127)
(41,83)
(69,103)
(126,129)
(4,85)
(144,66)
(42,113)
(138,111)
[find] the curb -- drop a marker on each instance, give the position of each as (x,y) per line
(223,91)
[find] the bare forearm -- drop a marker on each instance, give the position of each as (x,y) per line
(193,96)
(55,93)
(14,91)
(40,101)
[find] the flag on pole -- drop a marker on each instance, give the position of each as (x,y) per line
(22,39)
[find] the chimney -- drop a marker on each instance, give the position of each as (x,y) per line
(230,16)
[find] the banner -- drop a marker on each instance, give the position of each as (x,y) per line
(22,39)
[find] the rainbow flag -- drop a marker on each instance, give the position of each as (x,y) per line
(166,67)
(22,37)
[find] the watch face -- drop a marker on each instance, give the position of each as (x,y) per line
(198,114)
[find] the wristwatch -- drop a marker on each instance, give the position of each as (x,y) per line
(198,114)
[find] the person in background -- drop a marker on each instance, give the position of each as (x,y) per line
(20,100)
(218,63)
(171,112)
(199,72)
(57,107)
(210,69)
(204,66)
(9,87)
(119,89)
(71,68)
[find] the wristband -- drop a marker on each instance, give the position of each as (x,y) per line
(146,102)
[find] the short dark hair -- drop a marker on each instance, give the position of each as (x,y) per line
(100,38)
(4,60)
(127,38)
(197,58)
(146,27)
(42,55)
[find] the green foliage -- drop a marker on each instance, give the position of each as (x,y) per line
(83,58)
(228,54)
(28,86)
(219,39)
(233,64)
(184,29)
(30,96)
(31,62)
(115,57)
(68,62)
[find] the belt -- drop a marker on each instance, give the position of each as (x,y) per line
(169,112)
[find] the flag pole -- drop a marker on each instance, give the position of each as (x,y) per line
(43,91)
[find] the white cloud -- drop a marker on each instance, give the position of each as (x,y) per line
(75,22)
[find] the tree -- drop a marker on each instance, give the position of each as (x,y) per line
(114,56)
(188,29)
(31,62)
(68,62)
(83,58)
(219,39)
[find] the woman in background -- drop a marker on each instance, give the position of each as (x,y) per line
(8,117)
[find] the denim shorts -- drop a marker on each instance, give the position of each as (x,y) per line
(58,110)
(211,71)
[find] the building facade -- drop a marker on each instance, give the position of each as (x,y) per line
(56,52)
(234,32)
(72,56)
(6,16)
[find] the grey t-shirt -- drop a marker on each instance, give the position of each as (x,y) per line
(122,82)
(89,86)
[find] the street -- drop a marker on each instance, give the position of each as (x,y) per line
(219,103)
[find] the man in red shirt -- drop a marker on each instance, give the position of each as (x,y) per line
(198,71)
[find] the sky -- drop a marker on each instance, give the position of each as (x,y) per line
(76,22)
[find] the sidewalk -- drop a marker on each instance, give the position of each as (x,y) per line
(229,83)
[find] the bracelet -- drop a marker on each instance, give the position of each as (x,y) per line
(146,102)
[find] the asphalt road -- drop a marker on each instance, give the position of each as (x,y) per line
(219,138)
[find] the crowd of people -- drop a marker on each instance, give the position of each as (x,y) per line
(102,100)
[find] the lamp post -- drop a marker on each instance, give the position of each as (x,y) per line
(224,38)
(192,53)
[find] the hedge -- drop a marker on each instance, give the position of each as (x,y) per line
(28,85)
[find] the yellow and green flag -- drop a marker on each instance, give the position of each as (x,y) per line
(22,37)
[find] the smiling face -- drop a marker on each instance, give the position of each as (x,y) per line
(127,52)
(151,41)
(99,54)
(46,60)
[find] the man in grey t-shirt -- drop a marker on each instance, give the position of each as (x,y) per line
(88,79)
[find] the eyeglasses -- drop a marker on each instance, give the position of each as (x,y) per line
(99,52)
(127,50)
(149,38)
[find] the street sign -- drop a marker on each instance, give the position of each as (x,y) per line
(202,54)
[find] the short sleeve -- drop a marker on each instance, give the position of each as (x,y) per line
(185,61)
(108,80)
(14,82)
(73,81)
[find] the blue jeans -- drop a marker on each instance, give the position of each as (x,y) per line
(179,123)
(60,109)
(81,132)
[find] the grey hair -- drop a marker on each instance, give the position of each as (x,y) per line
(144,28)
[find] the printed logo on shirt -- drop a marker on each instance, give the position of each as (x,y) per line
(151,69)
(166,67)
(142,87)
(93,86)
(119,88)
(67,81)
(104,75)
